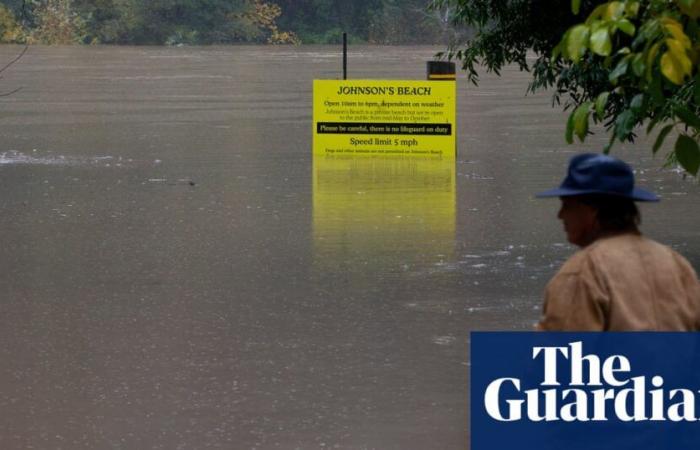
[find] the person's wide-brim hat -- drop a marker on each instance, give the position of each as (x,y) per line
(592,173)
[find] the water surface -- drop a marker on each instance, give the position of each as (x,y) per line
(177,273)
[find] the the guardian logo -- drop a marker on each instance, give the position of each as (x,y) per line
(583,391)
(591,390)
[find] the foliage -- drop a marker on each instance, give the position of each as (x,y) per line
(200,22)
(632,62)
(264,16)
(651,51)
(10,30)
(192,22)
(153,22)
(504,32)
(365,21)
(410,22)
(56,23)
(110,21)
(324,21)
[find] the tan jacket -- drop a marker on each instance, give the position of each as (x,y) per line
(624,282)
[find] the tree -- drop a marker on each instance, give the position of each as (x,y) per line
(324,21)
(630,63)
(57,23)
(410,22)
(191,21)
(111,21)
(652,50)
(10,30)
(264,16)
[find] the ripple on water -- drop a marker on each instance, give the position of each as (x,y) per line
(14,157)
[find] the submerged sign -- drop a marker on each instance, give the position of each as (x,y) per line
(364,205)
(585,390)
(373,117)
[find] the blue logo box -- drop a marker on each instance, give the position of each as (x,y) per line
(585,391)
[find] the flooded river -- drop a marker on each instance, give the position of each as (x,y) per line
(177,273)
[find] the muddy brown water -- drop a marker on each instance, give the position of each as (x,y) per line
(176,273)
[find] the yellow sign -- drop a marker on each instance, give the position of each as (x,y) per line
(386,211)
(384,118)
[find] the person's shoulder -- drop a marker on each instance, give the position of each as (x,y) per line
(610,251)
(627,245)
(623,243)
(575,262)
(643,243)
(679,262)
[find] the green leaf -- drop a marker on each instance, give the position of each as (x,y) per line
(637,103)
(688,116)
(638,65)
(619,70)
(696,91)
(569,136)
(626,27)
(688,154)
(624,51)
(609,145)
(580,118)
(596,14)
(632,9)
(671,160)
(614,10)
(624,124)
(577,42)
(651,58)
(600,103)
(661,137)
(692,28)
(600,42)
(575,6)
(556,51)
(656,90)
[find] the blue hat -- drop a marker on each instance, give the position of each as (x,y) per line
(592,173)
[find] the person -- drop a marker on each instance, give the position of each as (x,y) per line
(619,280)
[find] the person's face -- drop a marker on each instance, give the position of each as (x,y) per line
(580,221)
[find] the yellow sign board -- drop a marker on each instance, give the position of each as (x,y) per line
(384,118)
(386,210)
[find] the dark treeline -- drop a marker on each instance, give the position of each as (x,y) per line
(373,21)
(173,22)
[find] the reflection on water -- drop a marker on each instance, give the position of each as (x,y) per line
(363,206)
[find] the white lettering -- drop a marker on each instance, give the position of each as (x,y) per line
(638,403)
(550,363)
(492,401)
(580,405)
(577,360)
(600,396)
(687,405)
(657,399)
(550,405)
(609,370)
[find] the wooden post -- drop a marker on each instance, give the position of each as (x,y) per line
(345,56)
